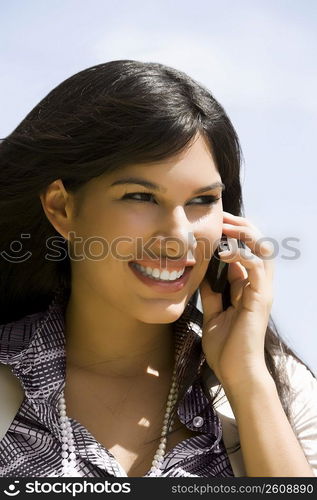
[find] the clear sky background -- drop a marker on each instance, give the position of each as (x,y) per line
(258,58)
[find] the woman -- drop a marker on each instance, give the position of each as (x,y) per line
(118,187)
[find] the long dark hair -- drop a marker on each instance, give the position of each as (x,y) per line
(103,118)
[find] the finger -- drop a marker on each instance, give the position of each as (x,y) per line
(263,246)
(254,266)
(236,271)
(236,219)
(252,237)
(255,241)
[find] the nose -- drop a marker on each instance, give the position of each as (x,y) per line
(175,238)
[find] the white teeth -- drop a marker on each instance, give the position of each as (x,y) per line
(155,273)
(165,275)
(159,275)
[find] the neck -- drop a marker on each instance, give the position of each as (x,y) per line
(110,343)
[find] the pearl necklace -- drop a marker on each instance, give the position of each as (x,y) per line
(160,452)
(68,449)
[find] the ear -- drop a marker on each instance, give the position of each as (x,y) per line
(58,207)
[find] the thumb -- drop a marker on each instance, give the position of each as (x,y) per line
(211,301)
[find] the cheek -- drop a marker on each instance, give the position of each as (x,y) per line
(115,235)
(208,234)
(110,221)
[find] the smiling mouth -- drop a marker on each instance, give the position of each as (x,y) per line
(163,276)
(161,285)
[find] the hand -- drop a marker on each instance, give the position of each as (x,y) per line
(233,340)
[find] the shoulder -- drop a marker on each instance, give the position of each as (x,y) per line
(303,405)
(17,336)
(303,387)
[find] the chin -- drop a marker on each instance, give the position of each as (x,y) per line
(162,311)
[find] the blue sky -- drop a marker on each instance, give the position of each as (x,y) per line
(258,58)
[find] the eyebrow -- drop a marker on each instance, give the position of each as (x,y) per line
(157,187)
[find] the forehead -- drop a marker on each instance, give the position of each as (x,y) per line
(196,162)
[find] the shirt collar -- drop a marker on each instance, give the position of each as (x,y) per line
(34,348)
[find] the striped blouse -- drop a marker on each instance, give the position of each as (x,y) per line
(34,349)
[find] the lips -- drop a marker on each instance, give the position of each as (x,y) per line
(168,265)
(163,286)
(159,274)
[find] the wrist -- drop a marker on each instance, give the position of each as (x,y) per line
(251,387)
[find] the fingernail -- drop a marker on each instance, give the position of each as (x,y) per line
(224,253)
(246,253)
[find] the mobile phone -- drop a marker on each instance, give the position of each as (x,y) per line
(217,270)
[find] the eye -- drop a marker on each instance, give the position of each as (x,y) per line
(206,200)
(129,196)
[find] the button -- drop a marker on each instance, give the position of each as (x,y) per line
(198,421)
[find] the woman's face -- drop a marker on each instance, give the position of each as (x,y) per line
(154,228)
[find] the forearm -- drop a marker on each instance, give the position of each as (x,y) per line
(268,443)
